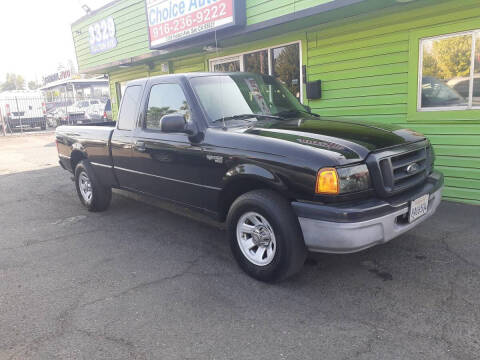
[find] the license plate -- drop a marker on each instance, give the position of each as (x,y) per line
(418,208)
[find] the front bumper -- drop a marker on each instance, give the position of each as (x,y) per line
(349,228)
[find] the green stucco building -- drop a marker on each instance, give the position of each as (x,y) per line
(414,63)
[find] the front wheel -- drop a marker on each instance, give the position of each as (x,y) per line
(265,236)
(93,195)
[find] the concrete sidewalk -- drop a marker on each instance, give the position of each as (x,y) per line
(27,152)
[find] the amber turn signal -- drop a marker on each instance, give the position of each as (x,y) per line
(327,181)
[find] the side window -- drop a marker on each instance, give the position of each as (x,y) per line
(449,72)
(129,107)
(165,99)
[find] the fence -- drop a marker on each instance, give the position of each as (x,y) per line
(22,112)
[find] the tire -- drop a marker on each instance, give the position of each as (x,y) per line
(272,247)
(93,195)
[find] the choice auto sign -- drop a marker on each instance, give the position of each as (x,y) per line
(171,21)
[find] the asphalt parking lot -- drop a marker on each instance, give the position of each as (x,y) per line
(140,282)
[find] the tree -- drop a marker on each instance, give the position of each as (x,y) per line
(154,115)
(448,58)
(430,67)
(71,67)
(13,82)
(33,85)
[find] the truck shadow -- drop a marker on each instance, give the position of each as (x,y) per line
(163,221)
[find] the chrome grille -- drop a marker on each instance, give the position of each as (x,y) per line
(400,169)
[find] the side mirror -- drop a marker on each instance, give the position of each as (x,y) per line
(171,123)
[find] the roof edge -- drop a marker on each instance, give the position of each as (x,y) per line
(94,12)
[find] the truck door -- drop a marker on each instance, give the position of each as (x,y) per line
(167,165)
(121,141)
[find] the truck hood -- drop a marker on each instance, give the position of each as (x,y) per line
(348,139)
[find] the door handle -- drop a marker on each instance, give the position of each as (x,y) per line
(140,146)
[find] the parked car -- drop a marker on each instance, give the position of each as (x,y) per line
(23,109)
(85,111)
(436,93)
(462,86)
(241,148)
(57,116)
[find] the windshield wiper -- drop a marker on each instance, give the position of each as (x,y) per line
(246,116)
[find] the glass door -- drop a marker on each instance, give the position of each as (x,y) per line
(283,62)
(286,67)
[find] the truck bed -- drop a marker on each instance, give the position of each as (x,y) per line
(75,142)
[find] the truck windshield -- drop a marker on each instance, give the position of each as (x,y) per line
(231,97)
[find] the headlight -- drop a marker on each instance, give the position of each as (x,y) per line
(342,180)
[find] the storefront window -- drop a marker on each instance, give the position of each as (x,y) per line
(286,67)
(256,62)
(450,72)
(229,65)
(283,62)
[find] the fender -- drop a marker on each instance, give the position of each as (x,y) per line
(253,172)
(78,152)
(243,178)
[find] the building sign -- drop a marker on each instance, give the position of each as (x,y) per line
(65,74)
(170,21)
(102,35)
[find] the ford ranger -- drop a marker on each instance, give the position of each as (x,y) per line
(241,148)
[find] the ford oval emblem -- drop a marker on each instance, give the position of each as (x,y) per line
(412,168)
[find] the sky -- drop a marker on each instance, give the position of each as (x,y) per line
(35,35)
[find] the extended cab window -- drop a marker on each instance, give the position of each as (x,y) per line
(128,109)
(165,99)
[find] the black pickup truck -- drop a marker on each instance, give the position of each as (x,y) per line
(240,147)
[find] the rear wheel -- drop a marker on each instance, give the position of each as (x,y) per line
(265,236)
(93,195)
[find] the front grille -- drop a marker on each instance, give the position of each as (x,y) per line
(400,169)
